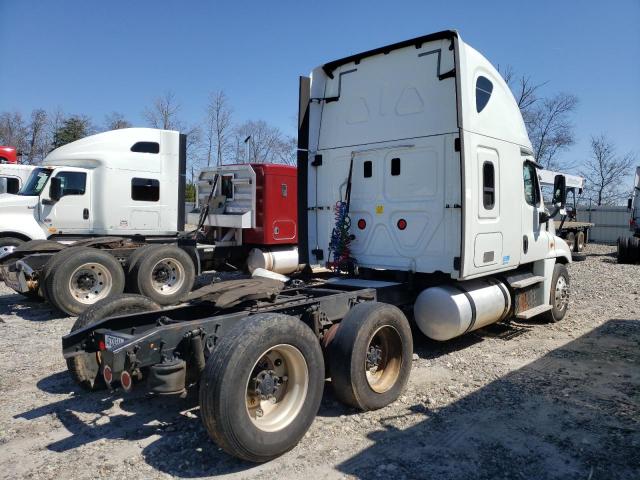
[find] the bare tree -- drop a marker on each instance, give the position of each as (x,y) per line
(287,151)
(548,119)
(164,112)
(38,142)
(115,121)
(551,130)
(524,89)
(56,119)
(257,141)
(605,172)
(194,148)
(217,127)
(14,130)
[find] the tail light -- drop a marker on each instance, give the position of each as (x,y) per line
(126,381)
(107,374)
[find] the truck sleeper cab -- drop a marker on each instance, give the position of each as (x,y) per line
(416,176)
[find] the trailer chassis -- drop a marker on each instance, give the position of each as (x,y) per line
(170,347)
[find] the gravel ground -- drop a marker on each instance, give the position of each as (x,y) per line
(518,400)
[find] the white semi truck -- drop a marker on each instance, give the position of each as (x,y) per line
(106,214)
(629,246)
(13,177)
(419,190)
(575,233)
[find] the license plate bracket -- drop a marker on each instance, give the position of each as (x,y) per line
(112,342)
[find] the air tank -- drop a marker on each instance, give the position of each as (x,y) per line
(448,311)
(284,261)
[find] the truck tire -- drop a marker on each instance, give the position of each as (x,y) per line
(85,368)
(623,248)
(571,240)
(132,262)
(164,273)
(9,244)
(579,242)
(370,356)
(559,296)
(78,277)
(633,250)
(264,358)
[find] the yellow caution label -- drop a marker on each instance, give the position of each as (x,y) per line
(379,209)
(53,229)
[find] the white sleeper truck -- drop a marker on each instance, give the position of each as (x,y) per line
(629,246)
(106,214)
(418,200)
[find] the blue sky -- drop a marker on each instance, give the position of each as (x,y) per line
(94,57)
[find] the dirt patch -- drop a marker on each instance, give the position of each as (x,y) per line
(517,400)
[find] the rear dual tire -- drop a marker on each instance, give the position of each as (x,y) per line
(628,250)
(370,356)
(78,277)
(164,273)
(268,355)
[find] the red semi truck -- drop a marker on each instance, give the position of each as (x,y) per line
(8,154)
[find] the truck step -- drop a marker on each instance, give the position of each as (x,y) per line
(242,196)
(532,312)
(526,281)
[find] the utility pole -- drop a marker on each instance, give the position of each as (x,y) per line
(247,145)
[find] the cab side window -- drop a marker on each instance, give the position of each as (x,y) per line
(13,185)
(145,189)
(73,183)
(531,190)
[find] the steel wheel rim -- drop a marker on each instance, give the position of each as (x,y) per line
(562,293)
(167,276)
(284,367)
(383,360)
(90,282)
(7,249)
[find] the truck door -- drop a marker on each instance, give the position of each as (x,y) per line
(72,212)
(535,238)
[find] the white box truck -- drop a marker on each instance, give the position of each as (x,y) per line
(416,177)
(106,214)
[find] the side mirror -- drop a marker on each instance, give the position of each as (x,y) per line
(543,217)
(55,189)
(559,191)
(629,203)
